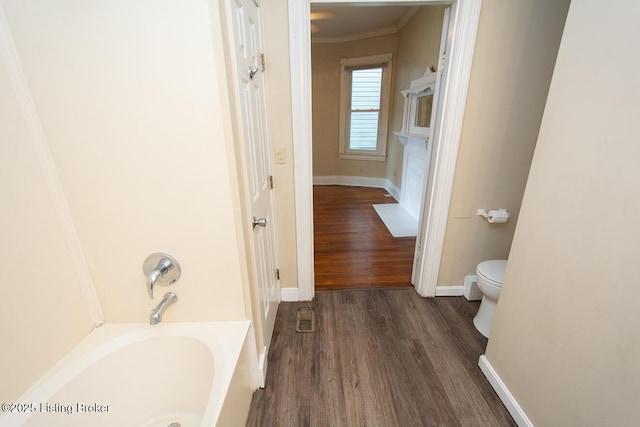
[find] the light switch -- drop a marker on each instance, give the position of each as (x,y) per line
(281,155)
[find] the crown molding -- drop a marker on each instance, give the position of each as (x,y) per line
(407,17)
(358,36)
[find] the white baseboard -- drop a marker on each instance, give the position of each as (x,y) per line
(393,190)
(262,368)
(358,181)
(449,291)
(503,393)
(289,294)
(355,181)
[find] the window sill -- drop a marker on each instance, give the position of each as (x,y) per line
(370,157)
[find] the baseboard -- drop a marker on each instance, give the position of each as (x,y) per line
(359,181)
(257,376)
(262,368)
(289,294)
(355,181)
(449,291)
(503,393)
(393,190)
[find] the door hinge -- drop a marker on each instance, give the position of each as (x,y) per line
(277,274)
(263,66)
(271,182)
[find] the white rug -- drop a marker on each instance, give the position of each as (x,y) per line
(398,221)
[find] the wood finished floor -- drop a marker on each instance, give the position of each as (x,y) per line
(353,248)
(378,358)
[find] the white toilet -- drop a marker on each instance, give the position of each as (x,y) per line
(490,275)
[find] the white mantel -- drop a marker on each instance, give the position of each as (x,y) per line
(415,165)
(416,144)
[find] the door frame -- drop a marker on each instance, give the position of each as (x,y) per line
(435,210)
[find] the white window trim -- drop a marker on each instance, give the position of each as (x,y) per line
(381,153)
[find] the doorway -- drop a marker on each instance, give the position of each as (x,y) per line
(463,27)
(364,237)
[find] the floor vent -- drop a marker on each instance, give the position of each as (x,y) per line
(305,320)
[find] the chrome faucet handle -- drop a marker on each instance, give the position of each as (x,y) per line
(160,269)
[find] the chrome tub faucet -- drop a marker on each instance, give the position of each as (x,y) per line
(160,269)
(156,314)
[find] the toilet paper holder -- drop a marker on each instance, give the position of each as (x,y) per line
(495,216)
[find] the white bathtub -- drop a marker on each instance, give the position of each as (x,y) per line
(142,375)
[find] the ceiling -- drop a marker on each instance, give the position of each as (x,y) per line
(355,22)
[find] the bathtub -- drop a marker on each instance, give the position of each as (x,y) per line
(194,374)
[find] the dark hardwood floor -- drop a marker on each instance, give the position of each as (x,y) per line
(378,358)
(353,248)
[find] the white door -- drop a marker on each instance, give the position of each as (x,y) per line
(248,47)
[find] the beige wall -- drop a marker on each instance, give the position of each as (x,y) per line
(414,47)
(325,64)
(514,57)
(418,48)
(566,340)
(134,119)
(513,61)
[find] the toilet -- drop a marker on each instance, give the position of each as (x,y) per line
(490,275)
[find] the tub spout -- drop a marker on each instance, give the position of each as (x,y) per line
(156,313)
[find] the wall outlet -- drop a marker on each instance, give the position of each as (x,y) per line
(471,291)
(281,155)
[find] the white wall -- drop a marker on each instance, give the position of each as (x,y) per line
(129,98)
(566,338)
(42,310)
(129,103)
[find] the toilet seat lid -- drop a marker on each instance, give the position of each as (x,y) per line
(493,270)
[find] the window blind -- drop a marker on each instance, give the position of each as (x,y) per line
(364,114)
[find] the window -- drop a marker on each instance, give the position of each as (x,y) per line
(364,106)
(364,111)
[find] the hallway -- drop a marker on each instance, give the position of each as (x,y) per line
(378,358)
